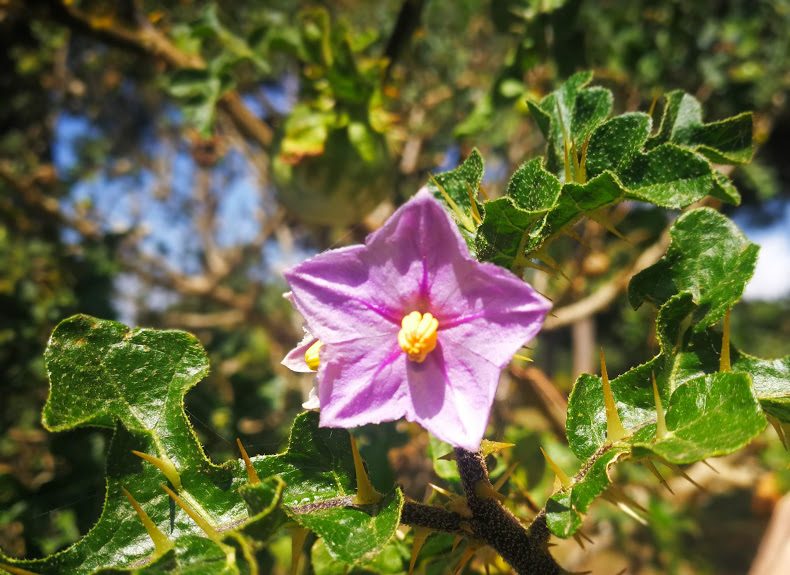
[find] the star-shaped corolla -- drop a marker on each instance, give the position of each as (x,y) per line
(410,325)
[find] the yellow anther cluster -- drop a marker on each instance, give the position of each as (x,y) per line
(418,335)
(311,355)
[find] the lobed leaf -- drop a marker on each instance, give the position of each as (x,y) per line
(709,257)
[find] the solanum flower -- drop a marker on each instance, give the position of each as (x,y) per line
(412,326)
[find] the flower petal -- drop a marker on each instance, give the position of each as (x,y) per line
(333,292)
(363,381)
(451,395)
(493,315)
(295,360)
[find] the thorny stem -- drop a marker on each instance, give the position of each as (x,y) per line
(492,524)
(526,550)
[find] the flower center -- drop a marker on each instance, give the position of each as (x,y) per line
(417,336)
(311,355)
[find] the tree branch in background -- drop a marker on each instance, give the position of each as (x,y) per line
(146,40)
(603,297)
(407,23)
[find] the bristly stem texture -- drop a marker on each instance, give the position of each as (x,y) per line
(526,550)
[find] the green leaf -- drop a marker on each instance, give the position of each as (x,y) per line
(444,468)
(459,182)
(771,378)
(564,519)
(353,533)
(614,142)
(709,416)
(724,189)
(577,109)
(509,220)
(709,257)
(727,141)
(392,560)
(668,176)
(586,422)
(136,379)
(199,92)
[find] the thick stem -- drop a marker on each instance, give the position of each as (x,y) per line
(526,550)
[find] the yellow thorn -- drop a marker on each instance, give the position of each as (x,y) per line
(544,256)
(584,536)
(458,539)
(16,570)
(779,428)
(565,481)
(252,475)
(531,503)
(298,535)
(623,506)
(420,535)
(489,447)
(661,421)
(579,541)
(449,456)
(484,490)
(462,217)
(656,94)
(544,269)
(567,163)
(482,191)
(575,160)
(204,525)
(572,233)
(506,475)
(652,468)
(473,203)
(366,493)
(620,495)
(523,358)
(724,363)
(466,557)
(679,471)
(604,221)
(164,465)
(583,163)
(709,466)
(614,427)
(161,543)
(457,503)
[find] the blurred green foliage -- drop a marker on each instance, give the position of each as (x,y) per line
(359,101)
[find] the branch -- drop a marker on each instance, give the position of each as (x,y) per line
(603,297)
(527,551)
(150,42)
(408,21)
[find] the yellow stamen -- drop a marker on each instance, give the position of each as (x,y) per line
(311,355)
(161,543)
(418,335)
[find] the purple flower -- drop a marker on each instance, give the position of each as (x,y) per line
(411,326)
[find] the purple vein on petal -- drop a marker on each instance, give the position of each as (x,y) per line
(394,354)
(460,320)
(381,310)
